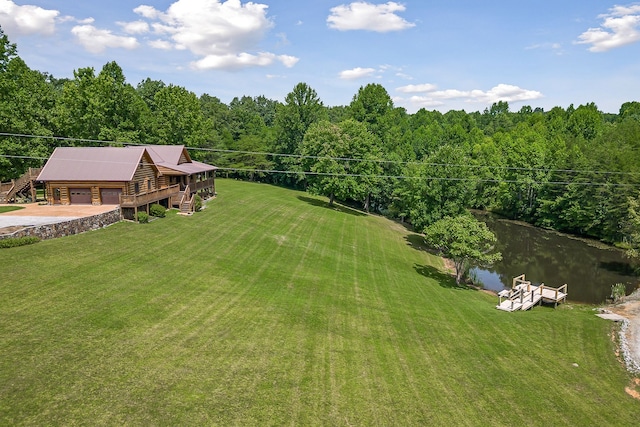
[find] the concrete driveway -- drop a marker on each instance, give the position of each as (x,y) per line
(34,214)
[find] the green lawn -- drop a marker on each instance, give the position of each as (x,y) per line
(269,308)
(4,209)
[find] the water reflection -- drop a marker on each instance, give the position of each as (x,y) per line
(554,259)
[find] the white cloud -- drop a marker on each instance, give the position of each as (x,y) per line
(148,12)
(225,34)
(435,98)
(161,44)
(357,73)
(552,46)
(135,27)
(242,60)
(361,15)
(404,76)
(96,40)
(422,102)
(288,61)
(27,19)
(620,27)
(83,21)
(427,87)
(501,92)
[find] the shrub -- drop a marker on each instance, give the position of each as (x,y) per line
(13,242)
(157,210)
(143,217)
(198,203)
(618,291)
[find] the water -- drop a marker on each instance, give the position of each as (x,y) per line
(554,259)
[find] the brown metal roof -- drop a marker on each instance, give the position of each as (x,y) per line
(92,164)
(167,153)
(168,156)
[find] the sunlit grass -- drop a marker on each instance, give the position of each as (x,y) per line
(270,308)
(4,209)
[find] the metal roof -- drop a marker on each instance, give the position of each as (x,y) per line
(92,164)
(167,153)
(168,156)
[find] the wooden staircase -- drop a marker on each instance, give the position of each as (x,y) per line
(523,295)
(9,190)
(186,205)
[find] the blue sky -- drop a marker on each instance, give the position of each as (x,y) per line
(436,54)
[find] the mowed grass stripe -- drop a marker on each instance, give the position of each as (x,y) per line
(270,308)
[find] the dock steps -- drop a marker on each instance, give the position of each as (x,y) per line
(523,295)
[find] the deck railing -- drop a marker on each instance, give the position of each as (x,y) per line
(201,185)
(134,200)
(10,189)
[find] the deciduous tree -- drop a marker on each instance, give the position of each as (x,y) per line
(464,240)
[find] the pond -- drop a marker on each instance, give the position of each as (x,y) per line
(588,268)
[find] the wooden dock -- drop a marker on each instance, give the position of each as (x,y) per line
(523,295)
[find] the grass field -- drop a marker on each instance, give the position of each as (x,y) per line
(4,209)
(269,308)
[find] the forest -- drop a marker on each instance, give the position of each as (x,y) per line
(573,169)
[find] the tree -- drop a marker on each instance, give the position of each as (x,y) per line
(102,107)
(8,51)
(370,106)
(464,240)
(439,188)
(631,228)
(301,109)
(345,158)
(324,147)
(26,103)
(179,118)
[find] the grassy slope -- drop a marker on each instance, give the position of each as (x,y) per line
(270,308)
(4,209)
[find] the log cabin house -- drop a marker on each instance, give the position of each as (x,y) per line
(131,177)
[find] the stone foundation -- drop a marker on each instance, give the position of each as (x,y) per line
(67,228)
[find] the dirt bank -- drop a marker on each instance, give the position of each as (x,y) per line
(629,308)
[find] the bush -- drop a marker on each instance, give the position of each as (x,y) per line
(143,217)
(158,211)
(618,292)
(18,241)
(197,203)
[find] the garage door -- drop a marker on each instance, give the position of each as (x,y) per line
(110,196)
(80,196)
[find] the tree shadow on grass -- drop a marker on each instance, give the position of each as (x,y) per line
(417,242)
(444,280)
(336,207)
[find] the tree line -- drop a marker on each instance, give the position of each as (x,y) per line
(571,169)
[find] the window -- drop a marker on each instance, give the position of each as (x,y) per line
(136,187)
(149,184)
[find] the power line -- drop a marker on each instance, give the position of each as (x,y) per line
(427,178)
(299,156)
(351,175)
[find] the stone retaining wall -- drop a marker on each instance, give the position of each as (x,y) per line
(67,228)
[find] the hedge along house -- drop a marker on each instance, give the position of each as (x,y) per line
(127,176)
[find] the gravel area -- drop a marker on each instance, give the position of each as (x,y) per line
(629,308)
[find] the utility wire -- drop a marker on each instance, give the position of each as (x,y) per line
(346,175)
(428,178)
(299,156)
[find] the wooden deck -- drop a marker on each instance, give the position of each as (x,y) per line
(523,295)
